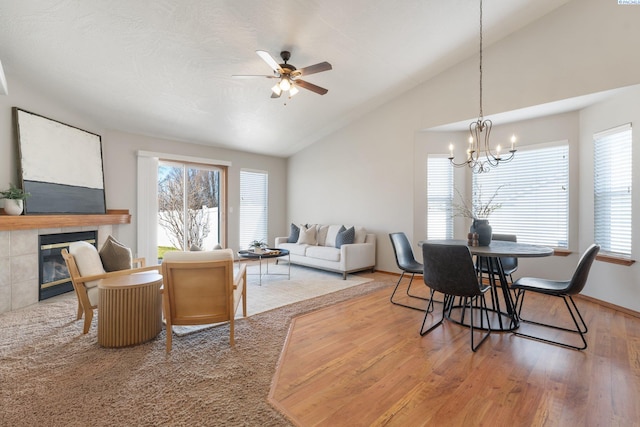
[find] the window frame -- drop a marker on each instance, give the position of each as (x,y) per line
(604,195)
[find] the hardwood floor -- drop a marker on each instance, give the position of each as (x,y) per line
(363,363)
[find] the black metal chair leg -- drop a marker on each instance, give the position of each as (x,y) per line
(438,323)
(580,329)
(483,303)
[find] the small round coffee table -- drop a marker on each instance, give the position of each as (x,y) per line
(129,309)
(266,254)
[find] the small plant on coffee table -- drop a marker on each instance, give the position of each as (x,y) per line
(257,245)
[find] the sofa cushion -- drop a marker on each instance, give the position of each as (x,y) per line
(115,256)
(294,248)
(307,235)
(345,237)
(87,259)
(294,234)
(332,232)
(323,252)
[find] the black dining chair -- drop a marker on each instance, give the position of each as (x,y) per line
(564,289)
(408,264)
(449,269)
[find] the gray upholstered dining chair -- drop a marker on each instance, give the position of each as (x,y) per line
(564,289)
(449,269)
(408,264)
(509,264)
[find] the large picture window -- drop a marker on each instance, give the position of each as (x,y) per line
(533,193)
(612,190)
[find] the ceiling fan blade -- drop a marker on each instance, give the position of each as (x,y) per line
(312,69)
(310,86)
(266,57)
(247,76)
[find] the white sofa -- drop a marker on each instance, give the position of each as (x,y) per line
(322,252)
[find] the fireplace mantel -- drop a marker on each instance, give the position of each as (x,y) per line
(26,222)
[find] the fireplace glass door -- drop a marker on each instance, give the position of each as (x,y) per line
(54,276)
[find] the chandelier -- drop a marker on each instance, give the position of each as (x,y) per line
(480,156)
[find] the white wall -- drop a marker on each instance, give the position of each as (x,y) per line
(120,178)
(369,167)
(119,159)
(617,284)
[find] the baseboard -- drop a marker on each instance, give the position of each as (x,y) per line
(585,297)
(611,306)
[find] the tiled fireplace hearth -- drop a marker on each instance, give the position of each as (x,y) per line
(19,251)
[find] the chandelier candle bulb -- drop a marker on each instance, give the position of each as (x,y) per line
(513,143)
(451,151)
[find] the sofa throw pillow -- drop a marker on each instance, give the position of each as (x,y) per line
(321,234)
(115,256)
(307,236)
(332,232)
(361,235)
(294,234)
(345,237)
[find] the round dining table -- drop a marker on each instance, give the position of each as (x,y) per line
(490,256)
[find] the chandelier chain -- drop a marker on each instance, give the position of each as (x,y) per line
(480,156)
(481,115)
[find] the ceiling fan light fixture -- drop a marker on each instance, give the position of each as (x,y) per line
(293,91)
(285,84)
(276,89)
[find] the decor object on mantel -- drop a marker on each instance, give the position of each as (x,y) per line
(481,130)
(14,197)
(479,212)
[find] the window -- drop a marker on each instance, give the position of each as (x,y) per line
(533,193)
(612,190)
(254,197)
(188,206)
(439,197)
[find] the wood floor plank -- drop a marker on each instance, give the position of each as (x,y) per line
(363,363)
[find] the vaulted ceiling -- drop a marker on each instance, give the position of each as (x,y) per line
(163,67)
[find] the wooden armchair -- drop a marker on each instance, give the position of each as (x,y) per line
(200,288)
(86,287)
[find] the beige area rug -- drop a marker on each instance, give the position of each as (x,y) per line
(51,374)
(278,290)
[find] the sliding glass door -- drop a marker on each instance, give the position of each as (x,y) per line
(189,206)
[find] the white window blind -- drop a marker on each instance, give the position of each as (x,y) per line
(439,197)
(534,196)
(254,198)
(612,190)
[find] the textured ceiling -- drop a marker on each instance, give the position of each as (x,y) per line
(163,68)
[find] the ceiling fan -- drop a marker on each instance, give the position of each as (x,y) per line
(289,75)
